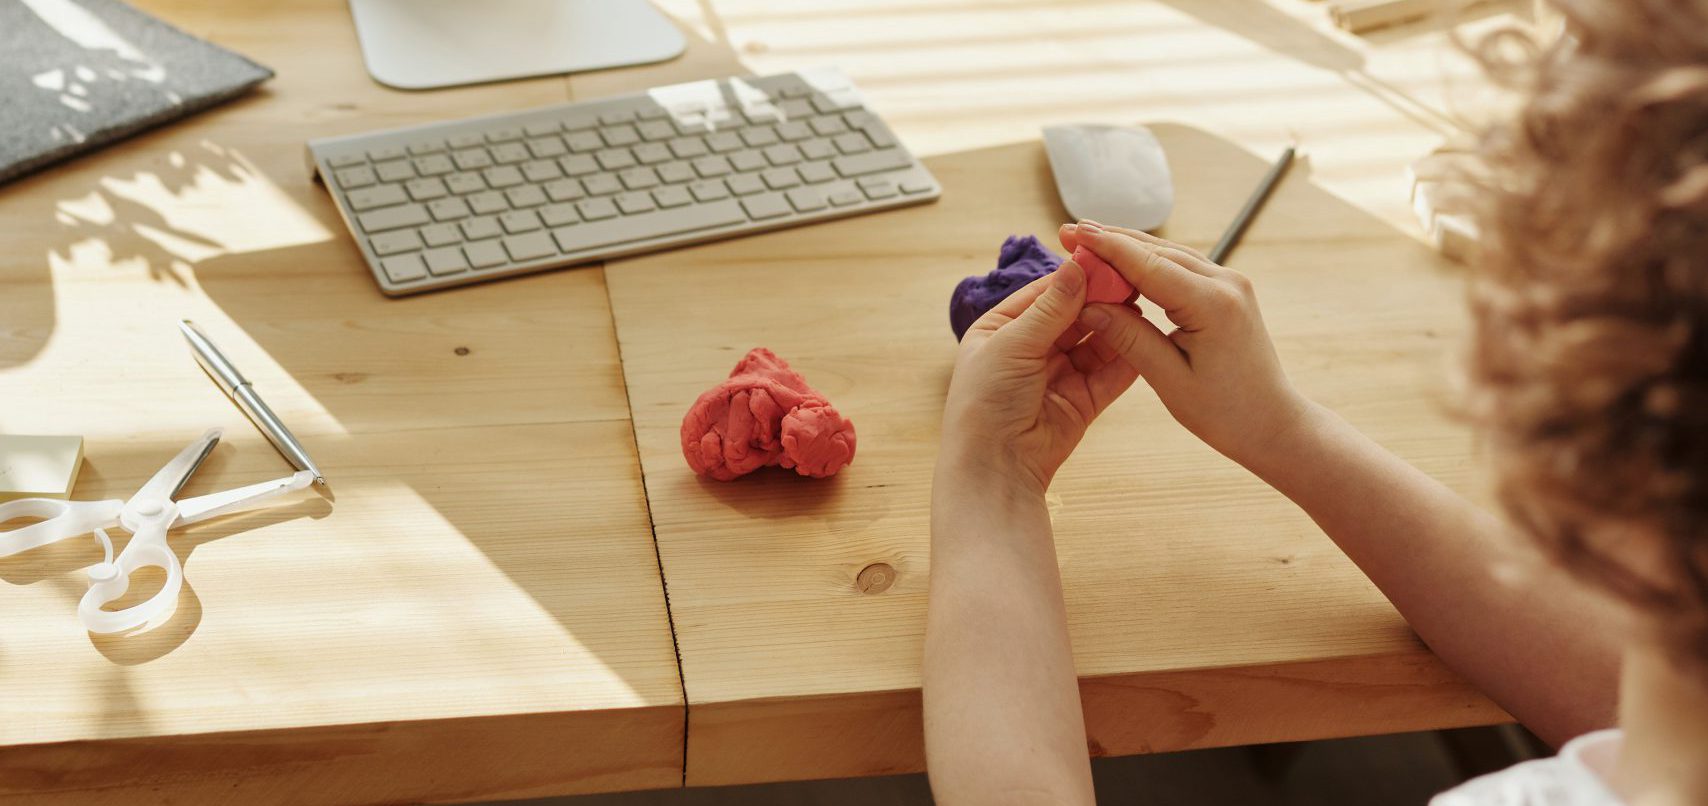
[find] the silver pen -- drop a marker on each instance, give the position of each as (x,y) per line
(243,394)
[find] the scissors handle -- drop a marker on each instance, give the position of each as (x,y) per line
(62,519)
(109,580)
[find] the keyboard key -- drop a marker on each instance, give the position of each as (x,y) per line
(502,176)
(758,136)
(859,118)
(351,178)
(426,189)
(540,171)
(404,268)
(652,113)
(525,196)
(878,188)
(564,190)
(384,153)
(440,235)
(346,160)
(519,221)
(485,255)
(652,153)
(370,198)
(615,117)
(794,131)
(472,159)
(845,197)
(434,165)
(578,164)
(558,215)
(879,134)
(795,90)
(631,203)
(672,196)
(674,173)
(780,178)
(648,225)
(862,164)
(624,135)
(656,130)
(815,172)
(712,166)
(450,209)
(546,147)
(540,129)
(852,143)
(783,154)
(425,148)
(580,121)
(462,141)
(475,229)
(795,108)
(835,102)
(829,125)
(580,142)
(818,148)
(639,178)
(616,159)
(504,134)
(464,183)
(404,215)
(763,114)
(394,171)
(391,243)
(488,203)
(688,147)
(724,142)
(745,161)
(806,200)
(510,153)
(743,184)
(446,261)
(595,210)
(769,205)
(601,184)
(915,186)
(709,191)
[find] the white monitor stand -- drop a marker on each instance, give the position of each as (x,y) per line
(426,44)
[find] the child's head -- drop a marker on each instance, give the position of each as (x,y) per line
(1591,304)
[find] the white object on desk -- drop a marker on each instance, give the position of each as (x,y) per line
(427,44)
(38,466)
(1116,175)
(148,515)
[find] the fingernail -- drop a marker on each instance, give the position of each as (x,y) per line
(1070,280)
(1094,318)
(1091,226)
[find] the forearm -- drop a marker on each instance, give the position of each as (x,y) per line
(1002,711)
(1541,648)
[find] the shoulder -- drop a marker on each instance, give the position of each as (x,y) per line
(1564,780)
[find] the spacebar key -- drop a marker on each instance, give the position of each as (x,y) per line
(594,234)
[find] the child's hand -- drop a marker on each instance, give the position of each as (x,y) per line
(1025,385)
(1217,372)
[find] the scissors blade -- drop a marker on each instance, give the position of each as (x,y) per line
(213,505)
(170,479)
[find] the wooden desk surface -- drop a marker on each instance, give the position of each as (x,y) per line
(480,614)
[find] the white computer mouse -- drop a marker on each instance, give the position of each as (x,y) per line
(1115,175)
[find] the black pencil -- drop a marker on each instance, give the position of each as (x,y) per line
(1252,206)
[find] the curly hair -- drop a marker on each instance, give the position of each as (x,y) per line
(1589,355)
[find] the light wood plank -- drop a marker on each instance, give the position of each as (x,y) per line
(479,614)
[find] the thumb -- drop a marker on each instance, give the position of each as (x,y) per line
(1052,313)
(1136,340)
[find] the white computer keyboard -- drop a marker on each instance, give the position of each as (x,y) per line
(471,200)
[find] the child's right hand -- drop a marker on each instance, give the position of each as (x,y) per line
(1217,372)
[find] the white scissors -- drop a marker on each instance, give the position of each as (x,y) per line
(147,516)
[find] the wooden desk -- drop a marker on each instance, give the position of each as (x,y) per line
(480,614)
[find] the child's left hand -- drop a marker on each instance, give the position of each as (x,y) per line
(1025,387)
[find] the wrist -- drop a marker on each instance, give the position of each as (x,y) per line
(986,473)
(1289,439)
